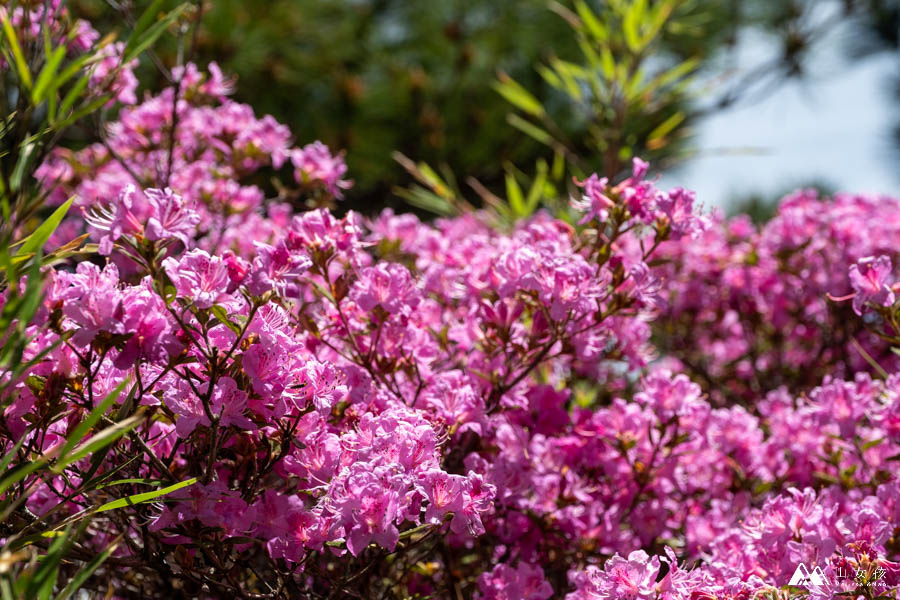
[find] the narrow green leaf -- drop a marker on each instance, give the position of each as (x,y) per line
(9,456)
(537,187)
(21,65)
(518,96)
(433,180)
(100,440)
(146,39)
(631,24)
(85,110)
(46,77)
(82,575)
(74,94)
(146,496)
(72,69)
(44,577)
(91,419)
(426,200)
(153,482)
(664,128)
(143,23)
(530,129)
(515,197)
(593,25)
(36,240)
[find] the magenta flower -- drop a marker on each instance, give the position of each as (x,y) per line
(91,301)
(227,404)
(871,280)
(314,384)
(277,268)
(171,217)
(142,314)
(116,221)
(525,582)
(389,286)
(678,208)
(368,513)
(633,578)
(315,163)
(444,494)
(595,203)
(199,277)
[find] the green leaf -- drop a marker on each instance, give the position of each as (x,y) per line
(514,196)
(222,316)
(550,76)
(9,456)
(146,496)
(44,577)
(674,74)
(872,444)
(72,68)
(426,200)
(31,300)
(666,127)
(537,187)
(631,25)
(132,480)
(142,41)
(593,25)
(21,65)
(74,94)
(46,76)
(100,440)
(143,23)
(90,420)
(530,129)
(36,240)
(84,572)
(83,111)
(518,96)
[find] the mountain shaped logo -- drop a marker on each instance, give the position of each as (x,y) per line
(806,578)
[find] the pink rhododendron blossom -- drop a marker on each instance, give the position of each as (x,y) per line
(871,280)
(170,216)
(315,163)
(199,277)
(652,404)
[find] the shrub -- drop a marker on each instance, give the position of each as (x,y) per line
(246,397)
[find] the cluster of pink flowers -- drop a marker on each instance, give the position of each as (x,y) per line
(108,72)
(391,407)
(751,309)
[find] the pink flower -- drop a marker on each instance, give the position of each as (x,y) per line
(198,277)
(315,163)
(632,578)
(369,513)
(227,403)
(444,494)
(142,314)
(389,286)
(525,582)
(871,280)
(277,268)
(595,203)
(91,301)
(314,384)
(171,217)
(115,221)
(678,207)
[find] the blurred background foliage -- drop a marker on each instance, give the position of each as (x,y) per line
(373,77)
